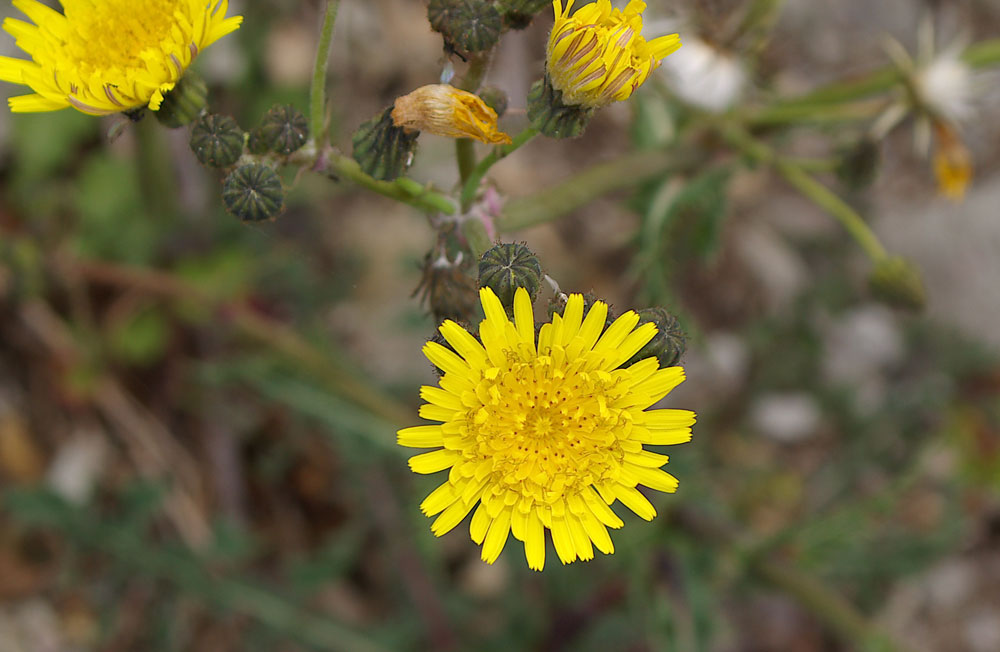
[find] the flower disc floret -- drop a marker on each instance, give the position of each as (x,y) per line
(545,433)
(106,56)
(597,55)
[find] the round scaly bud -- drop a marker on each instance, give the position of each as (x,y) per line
(466,25)
(216,140)
(283,130)
(495,98)
(669,343)
(253,192)
(508,266)
(184,102)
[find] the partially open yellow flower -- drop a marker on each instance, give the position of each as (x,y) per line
(598,55)
(448,111)
(106,56)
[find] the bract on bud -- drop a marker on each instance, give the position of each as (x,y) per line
(897,282)
(383,150)
(449,290)
(253,192)
(518,14)
(466,25)
(508,266)
(448,111)
(669,343)
(551,116)
(216,140)
(495,98)
(182,104)
(283,130)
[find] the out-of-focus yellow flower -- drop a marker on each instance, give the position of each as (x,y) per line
(448,111)
(106,56)
(545,432)
(952,163)
(598,55)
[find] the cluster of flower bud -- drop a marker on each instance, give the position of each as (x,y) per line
(252,190)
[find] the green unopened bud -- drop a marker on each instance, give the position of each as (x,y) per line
(509,266)
(495,98)
(283,130)
(449,290)
(550,116)
(669,343)
(216,140)
(897,282)
(383,150)
(184,102)
(517,14)
(253,192)
(466,25)
(859,163)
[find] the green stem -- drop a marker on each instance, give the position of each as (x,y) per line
(621,173)
(465,155)
(157,181)
(402,190)
(829,607)
(465,152)
(815,113)
(317,91)
(978,55)
(809,188)
(475,234)
(475,178)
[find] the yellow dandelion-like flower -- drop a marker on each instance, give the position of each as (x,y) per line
(448,111)
(547,433)
(598,55)
(106,56)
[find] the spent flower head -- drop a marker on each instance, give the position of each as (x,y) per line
(545,433)
(106,56)
(444,110)
(597,55)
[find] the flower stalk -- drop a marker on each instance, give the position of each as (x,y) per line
(317,91)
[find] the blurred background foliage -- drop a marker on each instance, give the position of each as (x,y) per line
(197,416)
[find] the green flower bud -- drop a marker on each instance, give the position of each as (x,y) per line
(383,150)
(283,130)
(508,266)
(466,25)
(669,343)
(448,290)
(550,116)
(495,98)
(184,102)
(253,192)
(216,140)
(897,282)
(859,163)
(517,14)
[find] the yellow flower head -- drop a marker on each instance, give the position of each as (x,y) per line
(598,55)
(106,56)
(547,433)
(952,163)
(448,111)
